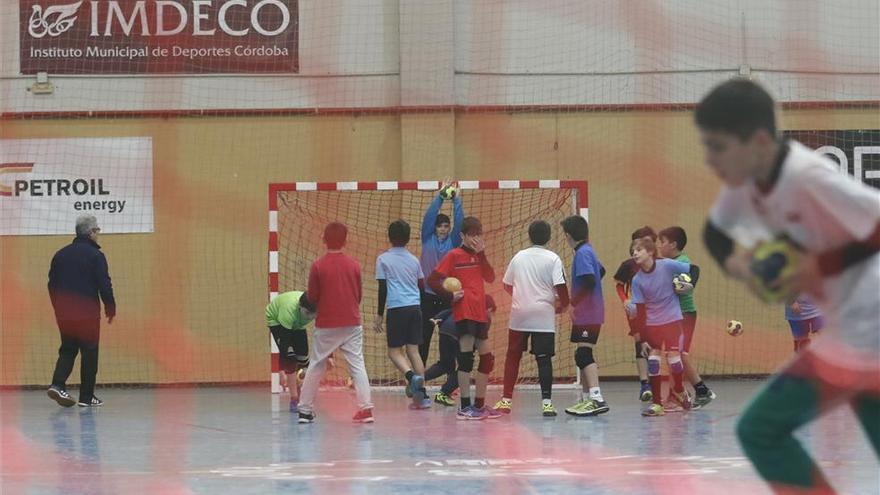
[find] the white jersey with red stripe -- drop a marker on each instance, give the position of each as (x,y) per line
(819,209)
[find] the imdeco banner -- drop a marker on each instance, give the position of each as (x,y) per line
(45,184)
(158,36)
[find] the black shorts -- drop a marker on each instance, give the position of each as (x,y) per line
(479,329)
(293,348)
(586,334)
(431,305)
(543,343)
(668,337)
(404,326)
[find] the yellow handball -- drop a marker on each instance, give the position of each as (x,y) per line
(680,280)
(448,192)
(771,261)
(451,284)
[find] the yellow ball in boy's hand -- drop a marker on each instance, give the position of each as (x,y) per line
(451,284)
(770,262)
(447,192)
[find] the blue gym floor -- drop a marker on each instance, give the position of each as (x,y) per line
(243,441)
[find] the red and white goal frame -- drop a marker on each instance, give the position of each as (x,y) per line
(578,187)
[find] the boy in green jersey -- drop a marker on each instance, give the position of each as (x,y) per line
(670,244)
(287,316)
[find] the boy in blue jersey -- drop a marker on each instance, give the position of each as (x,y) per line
(659,321)
(670,244)
(805,319)
(587,314)
(438,238)
(400,282)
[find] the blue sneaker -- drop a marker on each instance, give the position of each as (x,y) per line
(490,412)
(294,406)
(424,404)
(417,385)
(470,413)
(408,390)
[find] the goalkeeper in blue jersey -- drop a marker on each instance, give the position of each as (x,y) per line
(287,316)
(439,236)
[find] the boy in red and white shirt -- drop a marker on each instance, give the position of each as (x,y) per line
(335,288)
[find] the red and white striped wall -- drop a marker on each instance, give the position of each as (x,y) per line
(581,197)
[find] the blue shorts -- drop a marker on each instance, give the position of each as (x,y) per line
(801,329)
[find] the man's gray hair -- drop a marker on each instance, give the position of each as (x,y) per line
(85,224)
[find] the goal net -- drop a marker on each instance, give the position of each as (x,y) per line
(299,211)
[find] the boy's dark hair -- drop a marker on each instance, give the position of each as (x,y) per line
(471,226)
(576,226)
(738,106)
(676,235)
(335,234)
(539,232)
(441,219)
(398,233)
(305,303)
(645,231)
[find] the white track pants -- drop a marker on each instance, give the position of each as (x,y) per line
(350,340)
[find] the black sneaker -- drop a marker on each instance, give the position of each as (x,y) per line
(60,396)
(306,417)
(95,402)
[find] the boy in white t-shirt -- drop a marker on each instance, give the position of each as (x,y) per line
(536,280)
(775,189)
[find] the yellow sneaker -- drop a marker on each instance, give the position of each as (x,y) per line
(654,410)
(503,405)
(441,398)
(548,411)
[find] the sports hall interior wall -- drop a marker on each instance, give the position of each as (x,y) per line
(191,294)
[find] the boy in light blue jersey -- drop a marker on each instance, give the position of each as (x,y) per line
(438,238)
(659,321)
(805,319)
(400,282)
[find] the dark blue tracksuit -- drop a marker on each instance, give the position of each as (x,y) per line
(77,277)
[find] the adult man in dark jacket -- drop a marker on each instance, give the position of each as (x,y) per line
(78,275)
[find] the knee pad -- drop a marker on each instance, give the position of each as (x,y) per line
(487,363)
(583,357)
(654,365)
(465,361)
(675,365)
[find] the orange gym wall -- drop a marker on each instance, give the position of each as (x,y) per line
(191,295)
